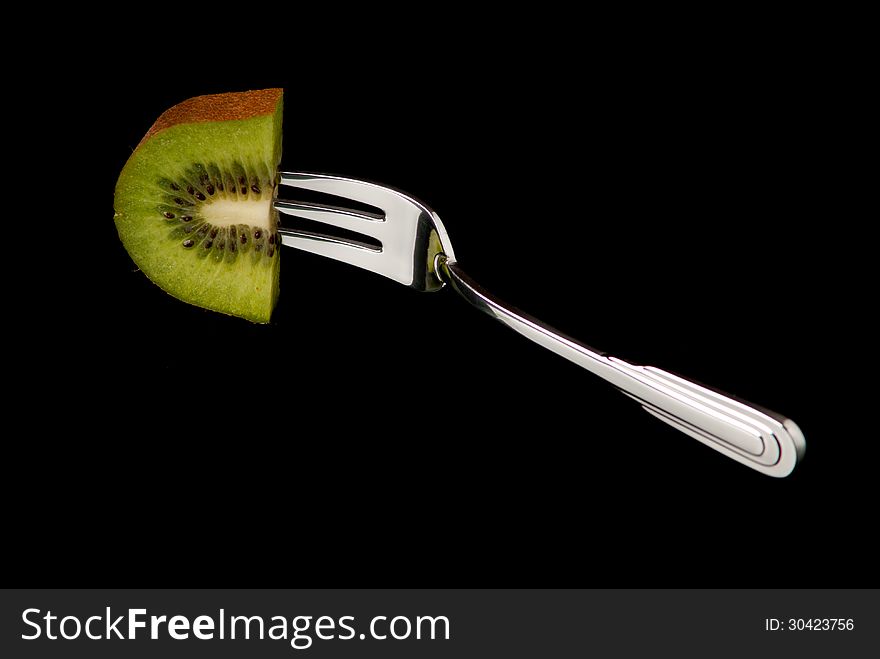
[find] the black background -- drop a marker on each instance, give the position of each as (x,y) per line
(659,196)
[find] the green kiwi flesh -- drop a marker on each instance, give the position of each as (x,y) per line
(194,202)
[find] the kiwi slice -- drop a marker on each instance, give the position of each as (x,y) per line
(194,202)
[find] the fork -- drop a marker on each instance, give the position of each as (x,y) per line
(406,241)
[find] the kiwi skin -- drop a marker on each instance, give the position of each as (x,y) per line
(194,202)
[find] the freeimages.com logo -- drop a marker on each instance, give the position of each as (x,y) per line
(301,631)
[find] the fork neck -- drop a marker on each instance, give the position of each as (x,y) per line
(451,273)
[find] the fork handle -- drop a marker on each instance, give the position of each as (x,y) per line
(759,438)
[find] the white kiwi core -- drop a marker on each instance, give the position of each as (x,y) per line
(227,212)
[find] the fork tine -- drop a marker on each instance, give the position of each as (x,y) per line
(371,194)
(337,217)
(361,255)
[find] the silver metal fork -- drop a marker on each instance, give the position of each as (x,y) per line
(416,251)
